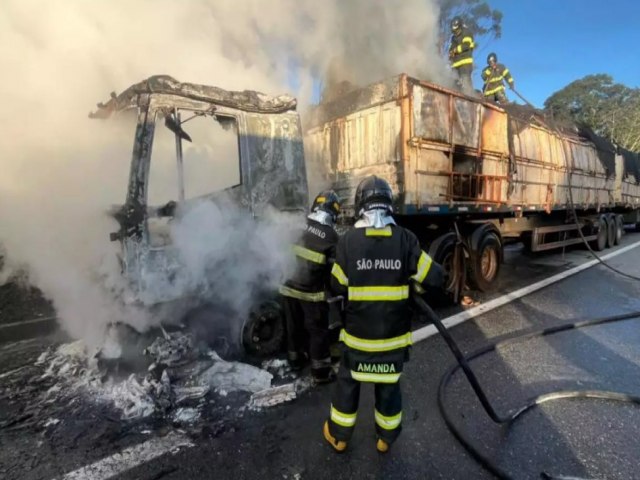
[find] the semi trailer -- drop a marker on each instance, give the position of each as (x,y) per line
(475,175)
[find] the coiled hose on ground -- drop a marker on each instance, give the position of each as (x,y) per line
(463,363)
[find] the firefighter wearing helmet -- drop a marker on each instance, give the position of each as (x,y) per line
(494,76)
(305,308)
(376,265)
(461,54)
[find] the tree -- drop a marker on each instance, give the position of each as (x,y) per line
(610,109)
(482,20)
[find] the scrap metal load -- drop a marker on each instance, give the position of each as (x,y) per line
(447,153)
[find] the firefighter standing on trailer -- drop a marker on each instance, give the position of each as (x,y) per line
(461,54)
(494,76)
(306,310)
(376,264)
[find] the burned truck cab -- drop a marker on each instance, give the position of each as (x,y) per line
(195,142)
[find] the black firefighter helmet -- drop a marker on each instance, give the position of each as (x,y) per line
(327,201)
(492,58)
(373,192)
(456,25)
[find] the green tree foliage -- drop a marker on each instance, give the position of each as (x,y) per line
(485,23)
(596,101)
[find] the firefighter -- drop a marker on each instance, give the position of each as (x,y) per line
(305,307)
(376,264)
(494,76)
(461,54)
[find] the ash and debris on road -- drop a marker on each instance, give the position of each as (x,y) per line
(70,394)
(178,383)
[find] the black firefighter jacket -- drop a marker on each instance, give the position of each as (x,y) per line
(461,49)
(315,252)
(374,270)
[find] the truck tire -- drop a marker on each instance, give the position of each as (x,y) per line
(264,330)
(619,229)
(600,243)
(212,325)
(485,262)
(441,250)
(611,231)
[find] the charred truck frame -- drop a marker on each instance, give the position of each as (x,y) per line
(271,172)
(468,170)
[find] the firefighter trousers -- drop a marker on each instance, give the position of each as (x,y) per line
(498,97)
(463,80)
(344,407)
(308,331)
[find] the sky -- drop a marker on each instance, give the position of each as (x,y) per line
(547,44)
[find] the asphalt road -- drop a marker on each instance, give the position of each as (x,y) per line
(564,438)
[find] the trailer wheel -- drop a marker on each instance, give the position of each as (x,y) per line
(485,262)
(619,229)
(600,243)
(611,231)
(441,251)
(264,330)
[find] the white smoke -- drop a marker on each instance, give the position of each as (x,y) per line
(62,171)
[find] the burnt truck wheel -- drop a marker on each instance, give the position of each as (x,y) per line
(600,243)
(263,332)
(611,231)
(212,326)
(619,229)
(484,265)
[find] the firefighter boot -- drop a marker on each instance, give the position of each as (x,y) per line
(323,375)
(338,445)
(382,446)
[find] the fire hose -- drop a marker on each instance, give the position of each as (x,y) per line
(507,419)
(463,361)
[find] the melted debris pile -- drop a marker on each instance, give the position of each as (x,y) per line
(176,383)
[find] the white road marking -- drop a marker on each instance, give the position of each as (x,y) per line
(27,322)
(11,372)
(426,332)
(129,458)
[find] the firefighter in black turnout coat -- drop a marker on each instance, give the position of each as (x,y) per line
(306,310)
(377,263)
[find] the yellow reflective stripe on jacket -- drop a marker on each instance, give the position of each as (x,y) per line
(375,377)
(378,232)
(424,265)
(379,345)
(378,293)
(464,61)
(343,419)
(310,255)
(388,423)
(338,273)
(469,40)
(307,296)
(488,93)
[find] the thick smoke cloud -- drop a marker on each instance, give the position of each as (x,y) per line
(61,171)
